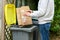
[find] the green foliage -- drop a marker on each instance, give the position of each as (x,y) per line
(33,4)
(56,22)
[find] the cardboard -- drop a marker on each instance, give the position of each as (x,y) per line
(23,20)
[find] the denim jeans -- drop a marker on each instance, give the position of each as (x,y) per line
(44,31)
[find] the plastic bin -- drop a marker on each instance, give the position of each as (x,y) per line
(10,14)
(35,33)
(25,33)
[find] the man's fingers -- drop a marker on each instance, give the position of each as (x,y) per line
(30,11)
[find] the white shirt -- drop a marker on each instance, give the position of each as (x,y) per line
(45,11)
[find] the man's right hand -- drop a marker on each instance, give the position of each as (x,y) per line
(27,13)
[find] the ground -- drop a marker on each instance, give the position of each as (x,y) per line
(53,36)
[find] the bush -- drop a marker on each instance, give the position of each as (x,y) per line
(55,27)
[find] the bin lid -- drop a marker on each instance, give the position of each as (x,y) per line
(30,29)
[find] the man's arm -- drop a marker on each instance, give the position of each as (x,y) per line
(42,7)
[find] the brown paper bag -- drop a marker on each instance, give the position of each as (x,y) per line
(23,20)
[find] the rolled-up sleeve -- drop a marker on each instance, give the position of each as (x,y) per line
(42,7)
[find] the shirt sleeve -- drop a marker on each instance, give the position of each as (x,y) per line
(42,7)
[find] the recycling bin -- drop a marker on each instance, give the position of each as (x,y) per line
(24,33)
(35,33)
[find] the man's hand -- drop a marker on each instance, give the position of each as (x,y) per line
(27,13)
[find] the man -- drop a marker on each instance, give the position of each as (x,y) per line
(45,15)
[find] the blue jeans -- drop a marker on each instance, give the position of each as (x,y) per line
(44,31)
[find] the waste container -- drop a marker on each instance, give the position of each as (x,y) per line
(35,33)
(25,33)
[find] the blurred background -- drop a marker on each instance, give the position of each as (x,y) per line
(55,25)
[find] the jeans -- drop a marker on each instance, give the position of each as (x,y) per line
(44,31)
